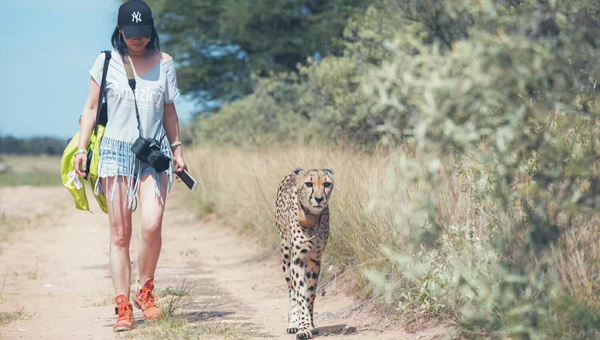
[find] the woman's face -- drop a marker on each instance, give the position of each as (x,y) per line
(136,44)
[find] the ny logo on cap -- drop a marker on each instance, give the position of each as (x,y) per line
(136,17)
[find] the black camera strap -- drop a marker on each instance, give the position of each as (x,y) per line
(107,56)
(131,79)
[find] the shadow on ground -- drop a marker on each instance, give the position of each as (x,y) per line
(205,315)
(336,330)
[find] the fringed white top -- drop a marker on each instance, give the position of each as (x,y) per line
(154,89)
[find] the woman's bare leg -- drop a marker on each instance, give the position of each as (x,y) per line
(153,207)
(120,234)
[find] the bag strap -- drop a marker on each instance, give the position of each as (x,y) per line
(131,79)
(107,56)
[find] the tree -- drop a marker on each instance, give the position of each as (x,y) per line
(220,43)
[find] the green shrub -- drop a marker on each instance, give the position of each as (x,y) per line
(487,214)
(511,94)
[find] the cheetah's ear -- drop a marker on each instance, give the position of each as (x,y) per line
(329,171)
(299,175)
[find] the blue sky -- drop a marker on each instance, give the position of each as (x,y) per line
(48,47)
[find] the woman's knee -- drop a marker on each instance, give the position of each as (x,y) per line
(120,235)
(151,229)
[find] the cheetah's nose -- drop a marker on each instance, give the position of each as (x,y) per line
(318,199)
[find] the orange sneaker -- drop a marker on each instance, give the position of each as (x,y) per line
(125,314)
(146,301)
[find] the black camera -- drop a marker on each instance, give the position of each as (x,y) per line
(148,151)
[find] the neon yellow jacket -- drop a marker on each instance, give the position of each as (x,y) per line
(72,181)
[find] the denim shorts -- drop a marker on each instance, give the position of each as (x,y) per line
(117,159)
(114,163)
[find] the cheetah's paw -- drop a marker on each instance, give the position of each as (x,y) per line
(304,334)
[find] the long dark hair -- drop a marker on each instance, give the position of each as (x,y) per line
(120,45)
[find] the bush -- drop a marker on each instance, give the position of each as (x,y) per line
(512,96)
(487,214)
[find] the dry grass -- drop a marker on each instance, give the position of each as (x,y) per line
(378,219)
(178,328)
(371,202)
(173,298)
(576,259)
(8,317)
(9,225)
(174,326)
(31,170)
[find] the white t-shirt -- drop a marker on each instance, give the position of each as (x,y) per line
(153,89)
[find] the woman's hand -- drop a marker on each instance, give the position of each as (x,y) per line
(87,122)
(80,164)
(179,165)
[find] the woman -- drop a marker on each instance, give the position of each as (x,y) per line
(123,176)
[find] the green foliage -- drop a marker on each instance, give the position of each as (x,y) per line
(321,103)
(511,92)
(220,43)
(498,98)
(271,114)
(32,146)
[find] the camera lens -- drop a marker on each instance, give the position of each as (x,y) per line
(159,161)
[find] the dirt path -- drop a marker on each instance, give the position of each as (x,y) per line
(55,267)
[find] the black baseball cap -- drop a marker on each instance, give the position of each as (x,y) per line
(135,19)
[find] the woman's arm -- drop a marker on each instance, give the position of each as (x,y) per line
(88,121)
(171,124)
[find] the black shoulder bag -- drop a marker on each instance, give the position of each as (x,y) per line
(101,114)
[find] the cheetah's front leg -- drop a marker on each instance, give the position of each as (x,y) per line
(314,264)
(300,288)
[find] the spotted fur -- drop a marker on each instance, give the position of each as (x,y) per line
(302,216)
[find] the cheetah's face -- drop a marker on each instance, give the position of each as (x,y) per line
(314,188)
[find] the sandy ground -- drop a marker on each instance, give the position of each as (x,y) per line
(55,267)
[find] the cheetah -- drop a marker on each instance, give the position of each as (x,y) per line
(302,216)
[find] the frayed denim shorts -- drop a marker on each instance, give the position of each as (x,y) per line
(115,163)
(117,159)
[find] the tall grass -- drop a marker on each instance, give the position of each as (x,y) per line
(375,217)
(240,186)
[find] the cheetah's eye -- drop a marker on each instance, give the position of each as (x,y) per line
(308,184)
(326,184)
